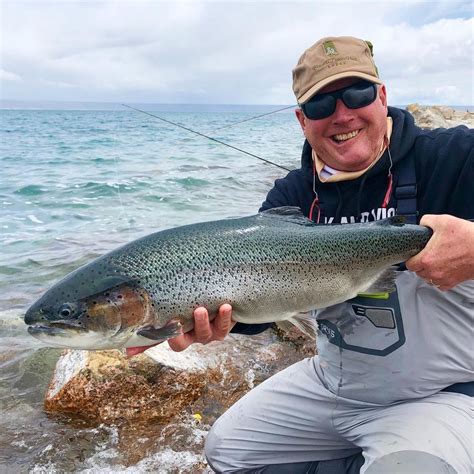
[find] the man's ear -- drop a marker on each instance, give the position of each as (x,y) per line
(383,95)
(301,118)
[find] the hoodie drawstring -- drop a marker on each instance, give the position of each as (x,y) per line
(316,205)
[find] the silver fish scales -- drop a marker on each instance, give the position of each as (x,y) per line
(270,267)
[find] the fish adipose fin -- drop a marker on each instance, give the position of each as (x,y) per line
(305,322)
(170,330)
(288,213)
(385,283)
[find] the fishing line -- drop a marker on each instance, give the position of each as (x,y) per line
(253,118)
(207,136)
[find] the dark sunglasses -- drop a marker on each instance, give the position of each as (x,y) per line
(357,95)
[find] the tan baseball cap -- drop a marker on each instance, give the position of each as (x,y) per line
(331,59)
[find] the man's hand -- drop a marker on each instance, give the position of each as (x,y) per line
(448,258)
(203,332)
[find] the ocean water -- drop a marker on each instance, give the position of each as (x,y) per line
(77,183)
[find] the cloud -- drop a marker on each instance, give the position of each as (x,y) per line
(224,52)
(9,76)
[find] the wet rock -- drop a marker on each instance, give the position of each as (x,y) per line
(438,116)
(160,405)
(162,385)
(105,386)
(304,344)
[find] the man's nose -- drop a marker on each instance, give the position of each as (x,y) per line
(342,113)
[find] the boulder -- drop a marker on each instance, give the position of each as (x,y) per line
(105,386)
(161,385)
(438,116)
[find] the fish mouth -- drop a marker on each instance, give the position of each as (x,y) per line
(71,337)
(54,329)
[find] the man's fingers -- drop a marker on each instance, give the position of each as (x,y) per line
(132,351)
(423,260)
(223,323)
(202,326)
(203,332)
(432,221)
(414,264)
(182,342)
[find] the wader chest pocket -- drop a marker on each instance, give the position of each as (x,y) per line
(379,317)
(364,324)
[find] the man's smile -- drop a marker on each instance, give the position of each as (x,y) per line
(343,137)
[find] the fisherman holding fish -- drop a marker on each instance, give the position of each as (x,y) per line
(390,389)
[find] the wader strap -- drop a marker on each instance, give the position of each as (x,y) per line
(405,190)
(405,193)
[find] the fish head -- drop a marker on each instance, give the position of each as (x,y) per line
(81,313)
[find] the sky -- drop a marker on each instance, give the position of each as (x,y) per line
(223,52)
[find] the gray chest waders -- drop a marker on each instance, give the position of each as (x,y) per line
(379,317)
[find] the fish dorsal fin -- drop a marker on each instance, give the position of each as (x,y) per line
(305,322)
(394,220)
(288,213)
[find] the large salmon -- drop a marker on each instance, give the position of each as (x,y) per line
(270,267)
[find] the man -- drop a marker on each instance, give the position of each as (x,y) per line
(374,400)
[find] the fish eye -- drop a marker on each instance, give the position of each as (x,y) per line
(65,310)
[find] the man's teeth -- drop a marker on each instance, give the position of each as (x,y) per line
(340,137)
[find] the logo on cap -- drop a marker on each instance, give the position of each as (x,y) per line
(329,48)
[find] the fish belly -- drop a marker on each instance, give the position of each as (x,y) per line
(261,293)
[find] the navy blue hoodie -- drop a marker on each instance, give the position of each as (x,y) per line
(444,163)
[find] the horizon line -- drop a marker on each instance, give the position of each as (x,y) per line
(42,104)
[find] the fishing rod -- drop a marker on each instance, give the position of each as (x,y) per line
(207,136)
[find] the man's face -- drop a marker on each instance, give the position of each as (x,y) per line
(349,139)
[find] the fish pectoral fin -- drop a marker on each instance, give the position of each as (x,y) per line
(305,322)
(168,331)
(385,283)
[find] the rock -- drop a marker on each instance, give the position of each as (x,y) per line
(105,386)
(439,116)
(468,117)
(305,345)
(161,385)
